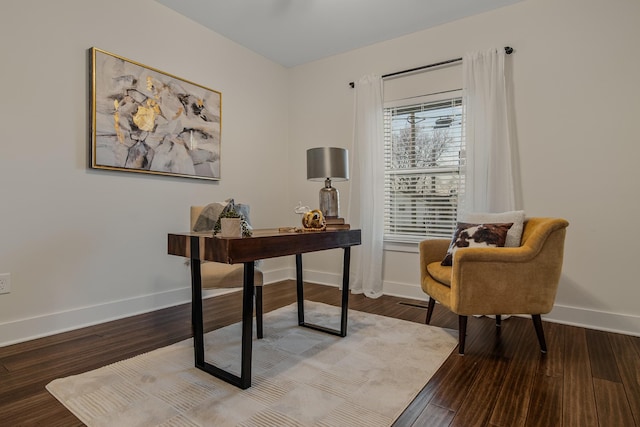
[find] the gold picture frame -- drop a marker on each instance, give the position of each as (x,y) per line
(147,121)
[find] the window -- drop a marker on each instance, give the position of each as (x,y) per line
(424,153)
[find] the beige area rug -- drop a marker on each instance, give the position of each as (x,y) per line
(301,377)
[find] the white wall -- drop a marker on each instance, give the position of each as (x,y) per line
(577,104)
(83,246)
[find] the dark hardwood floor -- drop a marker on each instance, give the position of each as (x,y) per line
(588,377)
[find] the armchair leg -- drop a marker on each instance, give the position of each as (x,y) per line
(537,323)
(258,290)
(430,306)
(462,333)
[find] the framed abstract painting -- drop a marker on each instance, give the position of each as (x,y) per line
(147,121)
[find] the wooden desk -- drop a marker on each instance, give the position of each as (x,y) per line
(262,245)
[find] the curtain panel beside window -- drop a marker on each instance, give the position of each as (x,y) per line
(366,195)
(489,175)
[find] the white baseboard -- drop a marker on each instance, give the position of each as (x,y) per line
(320,277)
(404,290)
(30,328)
(274,276)
(54,323)
(39,326)
(574,316)
(601,320)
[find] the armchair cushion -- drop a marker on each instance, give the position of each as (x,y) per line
(440,272)
(469,235)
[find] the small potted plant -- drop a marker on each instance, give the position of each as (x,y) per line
(232,224)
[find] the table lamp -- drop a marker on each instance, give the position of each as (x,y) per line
(325,164)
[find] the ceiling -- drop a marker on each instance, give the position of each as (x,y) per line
(294,32)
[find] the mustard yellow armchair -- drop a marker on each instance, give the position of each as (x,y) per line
(497,281)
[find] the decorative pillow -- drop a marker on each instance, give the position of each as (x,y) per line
(514,236)
(208,217)
(476,235)
(243,210)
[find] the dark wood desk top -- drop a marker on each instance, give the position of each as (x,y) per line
(265,243)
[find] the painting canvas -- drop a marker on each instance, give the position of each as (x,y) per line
(145,120)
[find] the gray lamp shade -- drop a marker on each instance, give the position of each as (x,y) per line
(327,162)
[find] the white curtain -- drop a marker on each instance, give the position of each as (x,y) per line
(366,193)
(489,177)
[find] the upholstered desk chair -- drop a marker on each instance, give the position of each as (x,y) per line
(219,275)
(497,281)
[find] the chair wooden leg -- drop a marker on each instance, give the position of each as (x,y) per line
(430,306)
(537,323)
(498,325)
(258,290)
(462,333)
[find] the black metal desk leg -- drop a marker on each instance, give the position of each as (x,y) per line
(342,332)
(196,303)
(259,313)
(247,325)
(300,289)
(345,291)
(244,380)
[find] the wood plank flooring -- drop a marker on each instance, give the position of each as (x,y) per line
(588,378)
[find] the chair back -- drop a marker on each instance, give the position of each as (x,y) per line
(546,236)
(195,213)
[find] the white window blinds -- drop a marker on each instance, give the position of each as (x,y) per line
(424,154)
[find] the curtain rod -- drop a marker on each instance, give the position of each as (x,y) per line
(507,49)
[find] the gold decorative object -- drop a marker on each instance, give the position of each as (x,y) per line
(314,221)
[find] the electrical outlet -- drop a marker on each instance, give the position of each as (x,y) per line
(5,283)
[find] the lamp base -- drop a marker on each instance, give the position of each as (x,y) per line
(329,200)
